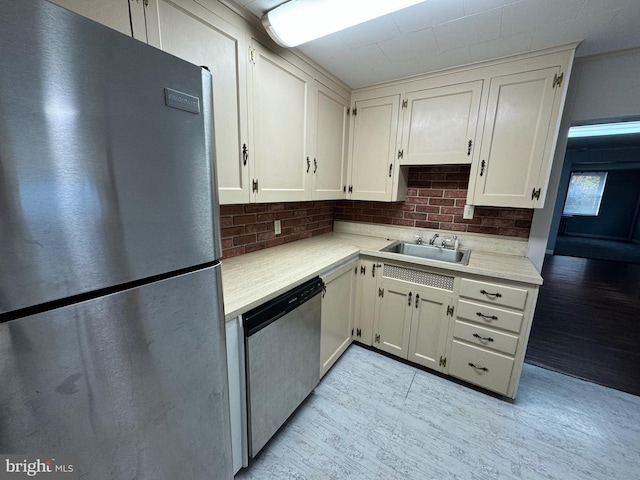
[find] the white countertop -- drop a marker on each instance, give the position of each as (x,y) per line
(254,278)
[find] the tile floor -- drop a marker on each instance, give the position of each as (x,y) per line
(373,417)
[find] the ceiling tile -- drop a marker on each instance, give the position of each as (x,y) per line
(451,58)
(370,32)
(469,30)
(502,47)
(477,6)
(412,45)
(428,14)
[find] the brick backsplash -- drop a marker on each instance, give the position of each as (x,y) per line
(435,200)
(249,227)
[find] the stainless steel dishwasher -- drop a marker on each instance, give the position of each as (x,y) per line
(282,348)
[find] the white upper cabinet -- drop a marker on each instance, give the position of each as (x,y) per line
(112,13)
(331,128)
(374,170)
(518,134)
(187,30)
(279,99)
(439,124)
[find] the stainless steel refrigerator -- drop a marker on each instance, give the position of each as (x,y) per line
(111,324)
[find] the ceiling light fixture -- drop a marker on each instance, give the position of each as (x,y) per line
(300,21)
(619,128)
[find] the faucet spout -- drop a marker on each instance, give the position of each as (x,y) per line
(433,239)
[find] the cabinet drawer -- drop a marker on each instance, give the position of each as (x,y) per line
(493,293)
(489,316)
(483,337)
(483,368)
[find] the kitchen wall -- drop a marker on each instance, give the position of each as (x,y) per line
(435,200)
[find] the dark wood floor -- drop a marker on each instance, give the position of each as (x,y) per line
(587,321)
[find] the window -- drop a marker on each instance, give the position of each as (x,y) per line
(585,193)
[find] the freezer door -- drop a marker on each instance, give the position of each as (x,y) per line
(105,169)
(134,384)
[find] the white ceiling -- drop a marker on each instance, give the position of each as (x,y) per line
(438,34)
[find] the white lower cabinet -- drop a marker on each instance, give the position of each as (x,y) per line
(337,313)
(490,334)
(412,319)
(369,273)
(471,328)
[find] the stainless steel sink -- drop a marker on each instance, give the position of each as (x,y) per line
(432,252)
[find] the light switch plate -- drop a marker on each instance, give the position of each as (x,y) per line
(276,227)
(468,211)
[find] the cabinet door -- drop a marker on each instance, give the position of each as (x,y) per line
(337,315)
(515,140)
(373,155)
(329,165)
(392,325)
(280,110)
(187,30)
(429,328)
(112,13)
(367,293)
(440,124)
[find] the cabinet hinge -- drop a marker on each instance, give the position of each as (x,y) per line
(358,332)
(469,145)
(363,269)
(373,269)
(352,332)
(381,292)
(348,111)
(355,270)
(324,289)
(252,55)
(405,103)
(344,188)
(350,188)
(557,80)
(443,362)
(354,112)
(535,194)
(450,310)
(376,338)
(254,187)
(400,154)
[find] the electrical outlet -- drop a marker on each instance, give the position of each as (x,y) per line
(468,211)
(276,227)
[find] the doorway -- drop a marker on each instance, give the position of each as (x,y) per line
(586,321)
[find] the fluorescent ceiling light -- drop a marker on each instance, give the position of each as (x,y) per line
(300,21)
(620,128)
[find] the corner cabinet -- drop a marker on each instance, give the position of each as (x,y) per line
(519,139)
(375,174)
(337,313)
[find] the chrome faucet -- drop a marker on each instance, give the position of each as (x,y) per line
(419,239)
(433,239)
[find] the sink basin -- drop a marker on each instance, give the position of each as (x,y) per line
(431,252)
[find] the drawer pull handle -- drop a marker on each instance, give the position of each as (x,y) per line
(483,369)
(486,317)
(483,339)
(495,295)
